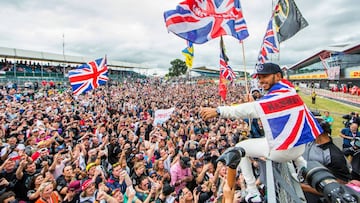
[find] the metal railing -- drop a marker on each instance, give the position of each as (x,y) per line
(282,187)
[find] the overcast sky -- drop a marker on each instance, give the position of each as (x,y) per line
(134,31)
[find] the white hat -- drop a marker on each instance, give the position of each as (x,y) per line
(199,155)
(254,89)
(20,147)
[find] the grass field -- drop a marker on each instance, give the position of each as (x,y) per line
(336,109)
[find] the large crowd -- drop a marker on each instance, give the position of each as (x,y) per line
(103,146)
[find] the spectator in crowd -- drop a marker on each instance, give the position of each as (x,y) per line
(255,93)
(63,181)
(61,159)
(30,145)
(119,179)
(48,194)
(167,194)
(348,134)
(146,190)
(8,197)
(24,174)
(139,170)
(89,191)
(8,178)
(181,173)
(11,148)
(327,118)
(201,172)
(187,196)
(44,159)
(159,167)
(33,192)
(73,194)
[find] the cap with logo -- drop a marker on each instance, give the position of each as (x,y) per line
(267,68)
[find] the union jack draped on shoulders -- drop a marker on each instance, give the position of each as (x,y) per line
(202,20)
(88,76)
(286,120)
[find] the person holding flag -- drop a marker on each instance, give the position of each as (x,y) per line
(287,123)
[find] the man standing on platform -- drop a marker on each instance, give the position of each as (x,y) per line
(287,123)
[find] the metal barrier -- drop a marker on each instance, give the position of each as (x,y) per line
(345,97)
(282,187)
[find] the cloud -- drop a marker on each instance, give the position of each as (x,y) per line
(133,31)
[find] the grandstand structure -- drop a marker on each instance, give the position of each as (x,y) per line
(21,66)
(213,73)
(328,69)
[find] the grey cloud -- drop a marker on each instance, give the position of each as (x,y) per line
(128,31)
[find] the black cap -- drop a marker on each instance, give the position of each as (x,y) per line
(324,125)
(168,189)
(185,161)
(267,68)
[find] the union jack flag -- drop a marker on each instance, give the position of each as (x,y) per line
(88,76)
(202,20)
(286,120)
(225,70)
(269,44)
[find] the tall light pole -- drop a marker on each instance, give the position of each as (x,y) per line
(63,45)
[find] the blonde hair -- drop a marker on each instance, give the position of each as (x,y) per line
(138,165)
(44,185)
(156,164)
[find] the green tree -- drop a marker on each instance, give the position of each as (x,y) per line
(178,67)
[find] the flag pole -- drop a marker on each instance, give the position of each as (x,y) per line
(244,63)
(108,88)
(246,81)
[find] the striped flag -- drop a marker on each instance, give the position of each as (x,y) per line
(269,44)
(225,70)
(89,76)
(200,21)
(285,118)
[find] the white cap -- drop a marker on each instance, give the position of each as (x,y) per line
(254,89)
(199,155)
(20,147)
